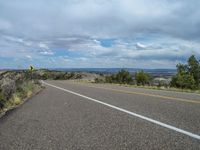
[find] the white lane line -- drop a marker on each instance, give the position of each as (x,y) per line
(130,113)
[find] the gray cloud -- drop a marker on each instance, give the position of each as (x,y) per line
(30,29)
(100,18)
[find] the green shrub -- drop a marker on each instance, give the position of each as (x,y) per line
(142,78)
(188,75)
(110,79)
(98,80)
(122,77)
(2,101)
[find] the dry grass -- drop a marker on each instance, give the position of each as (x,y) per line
(16,99)
(144,87)
(24,91)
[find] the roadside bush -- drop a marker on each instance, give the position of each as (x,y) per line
(98,80)
(27,88)
(14,87)
(78,76)
(110,79)
(188,75)
(2,101)
(8,87)
(122,77)
(142,78)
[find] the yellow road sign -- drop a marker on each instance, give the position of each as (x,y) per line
(31,68)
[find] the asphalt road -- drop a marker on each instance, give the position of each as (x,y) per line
(69,115)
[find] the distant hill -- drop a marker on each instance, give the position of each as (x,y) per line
(153,72)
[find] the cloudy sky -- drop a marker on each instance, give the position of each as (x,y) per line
(98,33)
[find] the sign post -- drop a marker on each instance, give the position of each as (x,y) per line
(31,68)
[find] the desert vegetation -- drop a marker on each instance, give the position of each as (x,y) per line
(122,77)
(143,78)
(18,85)
(15,87)
(44,74)
(186,78)
(125,77)
(188,75)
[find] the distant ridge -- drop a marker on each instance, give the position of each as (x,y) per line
(154,72)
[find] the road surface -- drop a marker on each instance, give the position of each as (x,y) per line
(69,115)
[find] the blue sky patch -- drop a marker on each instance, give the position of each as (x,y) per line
(107,42)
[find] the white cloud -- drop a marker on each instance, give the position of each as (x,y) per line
(144,31)
(43,45)
(46,53)
(140,46)
(28,56)
(14,39)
